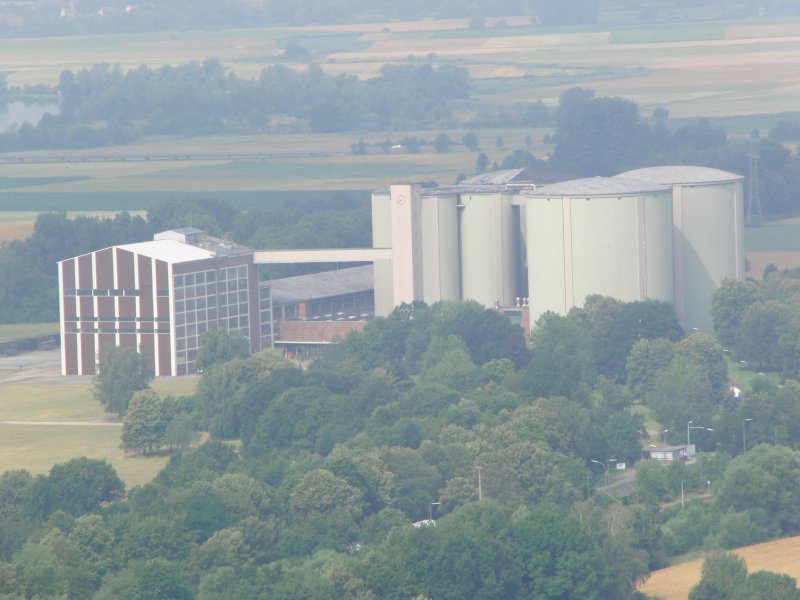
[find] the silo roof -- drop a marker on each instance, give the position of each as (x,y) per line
(497,177)
(493,182)
(683,174)
(599,186)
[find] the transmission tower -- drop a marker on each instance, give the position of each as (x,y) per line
(754,217)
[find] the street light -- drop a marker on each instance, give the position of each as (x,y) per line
(689,428)
(744,435)
(664,436)
(605,469)
(430,511)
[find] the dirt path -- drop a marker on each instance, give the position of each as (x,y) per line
(96,423)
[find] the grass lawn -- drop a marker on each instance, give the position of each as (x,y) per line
(13,331)
(675,582)
(743,375)
(36,448)
(74,431)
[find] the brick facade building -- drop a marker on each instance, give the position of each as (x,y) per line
(158,297)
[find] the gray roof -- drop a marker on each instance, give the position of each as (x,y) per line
(454,190)
(485,183)
(497,177)
(686,174)
(598,186)
(327,284)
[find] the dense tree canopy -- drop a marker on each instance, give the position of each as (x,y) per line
(417,417)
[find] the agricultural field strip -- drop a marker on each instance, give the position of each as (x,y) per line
(568,50)
(674,583)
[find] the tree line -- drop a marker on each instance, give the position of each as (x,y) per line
(592,135)
(103,106)
(28,270)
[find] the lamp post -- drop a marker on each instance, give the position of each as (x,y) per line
(664,436)
(605,469)
(689,428)
(744,435)
(430,511)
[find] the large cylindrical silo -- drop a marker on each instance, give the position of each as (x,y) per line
(440,260)
(489,242)
(708,219)
(600,235)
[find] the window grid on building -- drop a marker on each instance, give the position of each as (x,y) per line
(204,300)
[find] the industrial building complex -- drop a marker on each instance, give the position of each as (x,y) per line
(664,233)
(668,233)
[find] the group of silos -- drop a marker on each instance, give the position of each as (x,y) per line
(669,233)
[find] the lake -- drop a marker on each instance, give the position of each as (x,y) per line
(17,112)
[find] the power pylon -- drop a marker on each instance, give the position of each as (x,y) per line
(754,216)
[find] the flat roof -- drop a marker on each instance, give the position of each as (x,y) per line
(169,251)
(327,284)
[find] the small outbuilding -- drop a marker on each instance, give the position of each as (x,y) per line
(667,453)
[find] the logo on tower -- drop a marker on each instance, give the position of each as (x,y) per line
(400,199)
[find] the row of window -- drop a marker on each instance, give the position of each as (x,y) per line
(212,315)
(193,331)
(110,292)
(115,330)
(210,301)
(120,319)
(211,276)
(209,289)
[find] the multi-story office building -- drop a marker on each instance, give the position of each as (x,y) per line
(161,296)
(158,297)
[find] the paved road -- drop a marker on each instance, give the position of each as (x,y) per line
(43,366)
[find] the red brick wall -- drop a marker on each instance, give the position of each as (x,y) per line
(316,331)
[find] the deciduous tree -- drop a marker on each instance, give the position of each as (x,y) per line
(145,425)
(219,346)
(121,373)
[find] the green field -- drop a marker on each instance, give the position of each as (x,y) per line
(667,33)
(13,331)
(773,237)
(63,421)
